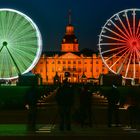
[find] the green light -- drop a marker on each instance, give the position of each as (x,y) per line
(20,44)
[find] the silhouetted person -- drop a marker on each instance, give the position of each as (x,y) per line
(86,106)
(113,105)
(64,98)
(133,109)
(31,105)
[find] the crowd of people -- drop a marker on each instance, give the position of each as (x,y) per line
(74,104)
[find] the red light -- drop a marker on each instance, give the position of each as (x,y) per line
(133,43)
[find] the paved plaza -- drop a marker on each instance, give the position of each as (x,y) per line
(11,129)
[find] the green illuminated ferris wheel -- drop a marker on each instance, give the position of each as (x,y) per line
(20,44)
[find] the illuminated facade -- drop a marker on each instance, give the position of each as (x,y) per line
(70,61)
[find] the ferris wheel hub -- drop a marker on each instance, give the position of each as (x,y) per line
(134,43)
(5,43)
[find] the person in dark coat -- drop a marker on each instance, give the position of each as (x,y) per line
(64,98)
(113,105)
(31,105)
(86,106)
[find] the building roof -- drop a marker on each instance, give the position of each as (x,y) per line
(85,52)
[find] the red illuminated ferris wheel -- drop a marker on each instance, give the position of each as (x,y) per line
(119,43)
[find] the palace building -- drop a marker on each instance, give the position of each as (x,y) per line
(78,65)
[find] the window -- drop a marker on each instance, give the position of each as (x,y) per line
(64,68)
(59,62)
(69,68)
(52,62)
(69,62)
(97,70)
(97,62)
(64,40)
(79,69)
(79,62)
(74,62)
(64,62)
(52,69)
(74,68)
(103,65)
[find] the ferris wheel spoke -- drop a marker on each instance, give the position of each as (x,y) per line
(134,23)
(126,31)
(134,67)
(29,52)
(113,38)
(138,36)
(13,23)
(2,26)
(137,30)
(128,23)
(115,33)
(117,54)
(23,39)
(128,65)
(114,49)
(125,49)
(6,28)
(122,64)
(138,55)
(27,31)
(24,43)
(32,39)
(22,26)
(119,29)
(21,61)
(29,57)
(118,60)
(112,44)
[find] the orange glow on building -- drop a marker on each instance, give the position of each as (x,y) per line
(78,64)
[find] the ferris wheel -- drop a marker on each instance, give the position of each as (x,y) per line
(119,43)
(20,44)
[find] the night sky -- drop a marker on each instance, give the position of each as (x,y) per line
(51,16)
